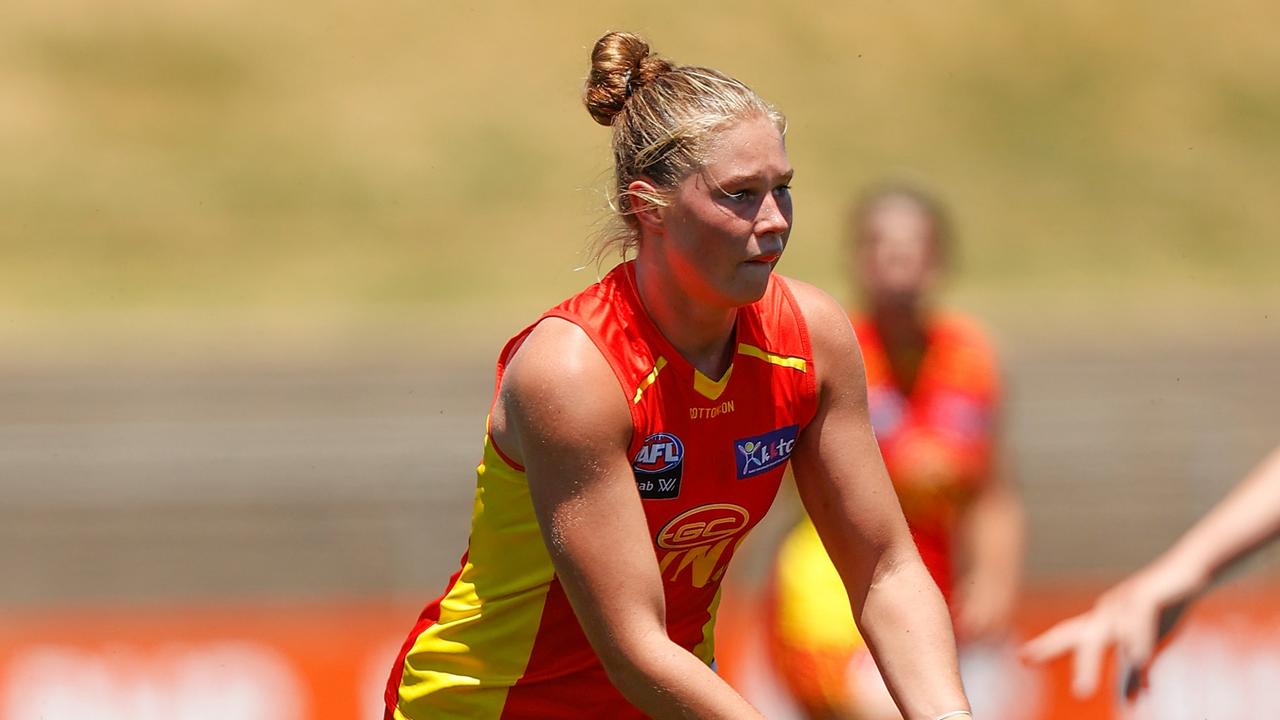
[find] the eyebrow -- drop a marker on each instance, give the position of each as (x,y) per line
(753,177)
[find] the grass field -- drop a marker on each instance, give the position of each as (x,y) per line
(233,161)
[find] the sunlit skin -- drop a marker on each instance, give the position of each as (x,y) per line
(711,250)
(703,254)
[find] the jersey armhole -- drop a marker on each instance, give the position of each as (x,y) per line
(504,357)
(802,329)
(618,371)
(514,344)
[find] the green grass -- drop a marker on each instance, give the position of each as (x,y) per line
(432,158)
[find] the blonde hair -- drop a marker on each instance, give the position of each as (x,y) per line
(664,119)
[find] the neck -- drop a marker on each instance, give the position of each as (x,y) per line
(701,332)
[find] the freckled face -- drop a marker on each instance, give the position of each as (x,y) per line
(728,224)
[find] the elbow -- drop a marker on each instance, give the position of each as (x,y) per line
(623,670)
(629,665)
(902,568)
(900,557)
(630,681)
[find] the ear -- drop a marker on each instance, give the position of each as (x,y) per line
(641,194)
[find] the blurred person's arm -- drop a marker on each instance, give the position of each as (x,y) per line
(1135,614)
(846,491)
(992,538)
(561,412)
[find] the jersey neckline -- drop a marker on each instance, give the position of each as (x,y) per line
(704,385)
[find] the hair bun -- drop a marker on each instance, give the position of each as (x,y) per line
(621,64)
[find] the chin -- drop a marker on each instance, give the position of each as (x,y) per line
(749,285)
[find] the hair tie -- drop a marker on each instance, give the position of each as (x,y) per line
(626,83)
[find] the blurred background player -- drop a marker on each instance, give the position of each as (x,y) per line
(1137,613)
(934,394)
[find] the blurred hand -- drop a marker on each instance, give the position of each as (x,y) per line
(1133,617)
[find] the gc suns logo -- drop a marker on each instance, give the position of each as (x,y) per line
(697,543)
(703,525)
(659,466)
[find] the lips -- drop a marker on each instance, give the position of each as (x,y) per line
(766,259)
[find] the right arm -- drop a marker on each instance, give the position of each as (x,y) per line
(846,491)
(1134,615)
(561,413)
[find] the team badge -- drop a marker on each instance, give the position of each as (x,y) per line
(763,453)
(659,466)
(697,543)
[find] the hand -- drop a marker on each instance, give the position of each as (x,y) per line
(1133,617)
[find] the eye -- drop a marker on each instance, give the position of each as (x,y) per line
(783,189)
(740,195)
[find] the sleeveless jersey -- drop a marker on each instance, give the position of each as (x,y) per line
(707,456)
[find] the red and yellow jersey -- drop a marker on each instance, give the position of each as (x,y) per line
(707,455)
(937,441)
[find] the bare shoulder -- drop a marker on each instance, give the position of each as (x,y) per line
(830,332)
(559,389)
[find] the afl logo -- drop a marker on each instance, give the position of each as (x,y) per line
(703,526)
(659,467)
(660,452)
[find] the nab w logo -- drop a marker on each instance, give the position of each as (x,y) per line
(659,466)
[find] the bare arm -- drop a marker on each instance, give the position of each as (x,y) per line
(993,538)
(1134,614)
(560,410)
(847,493)
(1243,521)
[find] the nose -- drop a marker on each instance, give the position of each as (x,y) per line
(774,217)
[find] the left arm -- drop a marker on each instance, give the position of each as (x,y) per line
(846,491)
(1136,614)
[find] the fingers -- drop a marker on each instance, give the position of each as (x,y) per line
(1084,637)
(1054,642)
(1135,642)
(1130,618)
(1136,638)
(1091,646)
